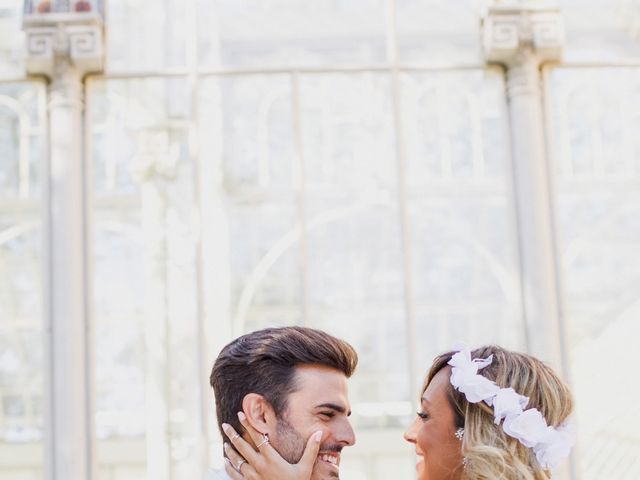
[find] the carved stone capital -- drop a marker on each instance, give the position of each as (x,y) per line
(70,39)
(510,27)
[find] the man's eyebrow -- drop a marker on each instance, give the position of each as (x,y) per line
(335,407)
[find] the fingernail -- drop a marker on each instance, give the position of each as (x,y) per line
(225,445)
(317,436)
(225,426)
(242,416)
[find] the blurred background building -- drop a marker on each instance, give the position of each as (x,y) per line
(406,174)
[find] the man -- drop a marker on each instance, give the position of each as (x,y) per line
(290,382)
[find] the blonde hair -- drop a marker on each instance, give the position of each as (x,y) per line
(490,453)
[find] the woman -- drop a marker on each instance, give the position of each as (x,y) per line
(486,414)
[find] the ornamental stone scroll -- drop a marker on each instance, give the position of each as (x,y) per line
(509,28)
(64,38)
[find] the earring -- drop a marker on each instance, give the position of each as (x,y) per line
(459,434)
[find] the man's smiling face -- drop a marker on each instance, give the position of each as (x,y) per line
(320,402)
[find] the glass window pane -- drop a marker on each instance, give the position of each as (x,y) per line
(259,186)
(145,281)
(22,356)
(353,253)
(596,170)
(146,36)
(464,249)
(22,140)
(276,33)
(433,32)
(11,39)
(601,30)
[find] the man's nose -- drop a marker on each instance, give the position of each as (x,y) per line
(346,436)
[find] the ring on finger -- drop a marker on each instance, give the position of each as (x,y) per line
(234,436)
(265,440)
(239,466)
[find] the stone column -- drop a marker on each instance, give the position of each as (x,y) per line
(63,48)
(521,36)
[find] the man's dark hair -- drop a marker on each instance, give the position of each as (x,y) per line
(264,362)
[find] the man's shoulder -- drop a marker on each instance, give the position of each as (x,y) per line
(213,474)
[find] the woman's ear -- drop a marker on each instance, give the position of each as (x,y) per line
(259,412)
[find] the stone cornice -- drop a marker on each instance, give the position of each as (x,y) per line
(511,27)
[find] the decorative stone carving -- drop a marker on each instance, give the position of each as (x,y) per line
(521,35)
(85,44)
(52,36)
(510,27)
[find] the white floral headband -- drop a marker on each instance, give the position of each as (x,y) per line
(550,445)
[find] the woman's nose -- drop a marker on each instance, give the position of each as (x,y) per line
(410,434)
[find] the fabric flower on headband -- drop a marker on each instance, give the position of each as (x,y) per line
(529,427)
(557,445)
(507,402)
(465,378)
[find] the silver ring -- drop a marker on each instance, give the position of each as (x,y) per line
(265,440)
(239,466)
(234,436)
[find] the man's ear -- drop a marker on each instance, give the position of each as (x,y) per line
(259,412)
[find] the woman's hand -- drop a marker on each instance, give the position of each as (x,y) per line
(266,463)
